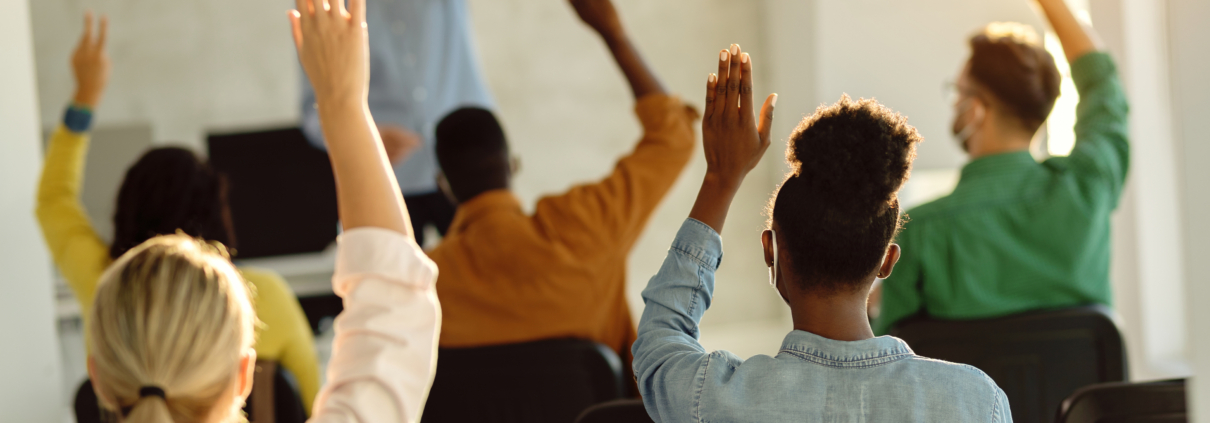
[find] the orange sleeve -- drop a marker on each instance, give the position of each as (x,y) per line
(609,215)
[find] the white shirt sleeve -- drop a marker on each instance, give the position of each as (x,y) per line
(385,351)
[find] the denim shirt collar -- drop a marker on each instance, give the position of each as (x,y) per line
(833,353)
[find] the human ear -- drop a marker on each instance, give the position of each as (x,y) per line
(92,375)
(247,373)
(888,262)
(766,242)
(514,165)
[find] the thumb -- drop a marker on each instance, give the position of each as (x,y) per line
(766,118)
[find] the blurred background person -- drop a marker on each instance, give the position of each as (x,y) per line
(422,66)
(1018,235)
(169,189)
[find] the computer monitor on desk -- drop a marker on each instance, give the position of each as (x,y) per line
(281,190)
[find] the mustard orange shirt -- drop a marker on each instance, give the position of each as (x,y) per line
(507,277)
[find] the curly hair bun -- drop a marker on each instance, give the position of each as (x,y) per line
(838,208)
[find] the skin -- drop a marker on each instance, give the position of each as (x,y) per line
(90,63)
(399,142)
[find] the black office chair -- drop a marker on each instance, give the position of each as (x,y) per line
(617,411)
(274,398)
(1037,358)
(1154,402)
(534,382)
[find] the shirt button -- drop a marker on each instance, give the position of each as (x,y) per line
(398,28)
(419,94)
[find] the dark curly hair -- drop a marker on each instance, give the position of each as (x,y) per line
(166,190)
(1008,60)
(838,208)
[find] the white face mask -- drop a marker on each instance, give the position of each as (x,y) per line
(773,268)
(964,135)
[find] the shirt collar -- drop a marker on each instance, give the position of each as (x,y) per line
(831,352)
(997,165)
(482,205)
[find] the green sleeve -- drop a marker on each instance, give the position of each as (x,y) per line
(1101,156)
(901,296)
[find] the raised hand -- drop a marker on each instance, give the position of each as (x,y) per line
(600,15)
(333,46)
(90,63)
(733,137)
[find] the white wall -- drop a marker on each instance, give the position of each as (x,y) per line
(29,388)
(1190,65)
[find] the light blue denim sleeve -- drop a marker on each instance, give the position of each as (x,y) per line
(1001,413)
(669,363)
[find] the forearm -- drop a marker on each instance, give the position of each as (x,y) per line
(714,200)
(642,80)
(366,191)
(1076,38)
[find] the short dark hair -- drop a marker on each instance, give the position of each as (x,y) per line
(473,152)
(838,208)
(167,190)
(1008,60)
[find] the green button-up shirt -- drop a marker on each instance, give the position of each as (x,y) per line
(1018,235)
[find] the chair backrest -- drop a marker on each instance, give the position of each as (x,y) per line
(1037,358)
(281,191)
(543,381)
(274,398)
(617,411)
(1153,402)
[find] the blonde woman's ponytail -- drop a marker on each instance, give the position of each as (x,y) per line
(171,325)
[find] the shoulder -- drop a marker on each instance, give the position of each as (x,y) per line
(930,210)
(958,377)
(265,284)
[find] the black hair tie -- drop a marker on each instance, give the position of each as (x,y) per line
(152,391)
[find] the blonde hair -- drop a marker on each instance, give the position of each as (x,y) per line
(174,314)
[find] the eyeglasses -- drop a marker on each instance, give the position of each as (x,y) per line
(952,92)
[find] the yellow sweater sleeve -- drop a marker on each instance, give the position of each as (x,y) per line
(284,335)
(78,252)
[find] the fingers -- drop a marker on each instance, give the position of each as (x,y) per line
(720,86)
(326,4)
(733,80)
(86,37)
(357,8)
(745,86)
(103,34)
(295,27)
(766,118)
(307,8)
(711,82)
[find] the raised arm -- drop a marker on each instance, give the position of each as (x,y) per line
(668,359)
(1077,39)
(378,372)
(1101,156)
(78,251)
(603,18)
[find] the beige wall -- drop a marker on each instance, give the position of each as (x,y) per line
(29,357)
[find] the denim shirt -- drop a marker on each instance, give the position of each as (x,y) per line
(422,67)
(811,379)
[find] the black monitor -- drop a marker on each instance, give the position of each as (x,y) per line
(282,193)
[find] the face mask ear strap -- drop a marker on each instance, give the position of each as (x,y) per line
(773,268)
(969,130)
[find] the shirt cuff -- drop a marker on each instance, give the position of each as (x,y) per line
(699,241)
(77,118)
(1092,68)
(386,254)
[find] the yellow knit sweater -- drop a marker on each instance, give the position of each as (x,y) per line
(81,256)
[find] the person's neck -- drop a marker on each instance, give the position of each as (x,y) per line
(841,317)
(996,142)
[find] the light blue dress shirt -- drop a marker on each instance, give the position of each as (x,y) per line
(422,66)
(812,378)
